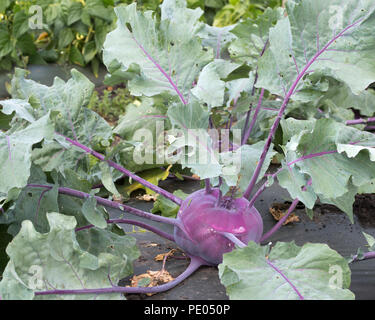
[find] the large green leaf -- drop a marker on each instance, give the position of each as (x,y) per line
(218,39)
(253,36)
(22,109)
(142,127)
(341,97)
(20,24)
(326,97)
(94,214)
(68,102)
(5,43)
(338,159)
(168,52)
(341,31)
(314,270)
(69,99)
(210,86)
(4,4)
(33,203)
(190,142)
(238,92)
(16,150)
(144,116)
(239,165)
(55,260)
(193,116)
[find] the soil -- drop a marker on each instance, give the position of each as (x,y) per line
(364,209)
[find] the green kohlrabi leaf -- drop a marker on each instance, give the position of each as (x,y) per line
(55,260)
(370,240)
(166,207)
(210,88)
(239,165)
(142,127)
(67,102)
(338,159)
(334,38)
(190,142)
(93,213)
(108,179)
(15,152)
(192,116)
(145,116)
(287,272)
(340,96)
(239,92)
(253,36)
(35,201)
(218,39)
(168,53)
(69,99)
(22,108)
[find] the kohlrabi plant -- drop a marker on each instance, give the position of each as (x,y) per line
(219,102)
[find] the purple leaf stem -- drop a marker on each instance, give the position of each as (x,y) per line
(252,94)
(207,185)
(280,222)
(234,239)
(367,255)
(283,219)
(110,204)
(248,131)
(262,188)
(195,263)
(312,155)
(158,66)
(283,107)
(133,222)
(142,181)
(360,121)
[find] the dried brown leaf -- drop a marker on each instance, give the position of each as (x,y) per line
(156,278)
(147,197)
(161,256)
(279,210)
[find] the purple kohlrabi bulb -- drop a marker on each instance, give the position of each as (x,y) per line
(205,217)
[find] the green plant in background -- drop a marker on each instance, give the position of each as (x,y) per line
(16,44)
(234,10)
(110,103)
(73,31)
